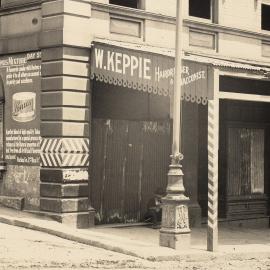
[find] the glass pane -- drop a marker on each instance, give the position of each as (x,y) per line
(200,8)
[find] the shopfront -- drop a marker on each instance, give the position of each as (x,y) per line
(131,124)
(244,148)
(131,129)
(225,135)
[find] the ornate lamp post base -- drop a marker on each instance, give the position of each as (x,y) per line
(175,232)
(175,238)
(176,241)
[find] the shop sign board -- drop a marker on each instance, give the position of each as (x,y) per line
(21,79)
(147,72)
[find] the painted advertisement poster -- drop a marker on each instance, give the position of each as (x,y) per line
(21,75)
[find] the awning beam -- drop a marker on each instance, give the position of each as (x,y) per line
(243,97)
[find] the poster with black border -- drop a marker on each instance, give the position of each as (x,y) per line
(21,76)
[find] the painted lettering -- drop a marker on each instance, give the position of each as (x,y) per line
(185,70)
(99,57)
(110,62)
(126,63)
(193,77)
(118,62)
(140,67)
(134,64)
(163,74)
(146,69)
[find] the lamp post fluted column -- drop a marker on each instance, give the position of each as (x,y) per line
(175,232)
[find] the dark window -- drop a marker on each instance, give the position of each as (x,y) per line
(266,17)
(244,86)
(125,3)
(200,8)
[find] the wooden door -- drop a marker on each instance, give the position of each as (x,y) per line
(245,172)
(130,162)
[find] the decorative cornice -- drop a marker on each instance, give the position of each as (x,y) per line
(17,43)
(35,4)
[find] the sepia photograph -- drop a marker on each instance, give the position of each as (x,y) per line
(135,134)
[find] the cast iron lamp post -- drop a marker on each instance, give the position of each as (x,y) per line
(175,232)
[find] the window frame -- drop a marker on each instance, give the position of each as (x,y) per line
(266,5)
(213,12)
(139,4)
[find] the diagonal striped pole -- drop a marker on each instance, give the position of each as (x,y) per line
(213,144)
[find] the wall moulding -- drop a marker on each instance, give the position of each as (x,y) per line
(135,13)
(227,30)
(14,6)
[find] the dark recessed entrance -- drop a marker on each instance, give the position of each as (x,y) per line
(244,152)
(130,152)
(244,159)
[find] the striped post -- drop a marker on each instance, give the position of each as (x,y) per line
(213,134)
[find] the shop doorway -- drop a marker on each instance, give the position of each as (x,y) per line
(244,151)
(244,160)
(131,145)
(245,172)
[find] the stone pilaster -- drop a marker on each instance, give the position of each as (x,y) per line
(65,103)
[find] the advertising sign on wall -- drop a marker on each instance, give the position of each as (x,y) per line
(148,72)
(20,75)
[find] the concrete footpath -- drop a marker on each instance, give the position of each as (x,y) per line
(142,242)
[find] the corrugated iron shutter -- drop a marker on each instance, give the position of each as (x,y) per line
(130,163)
